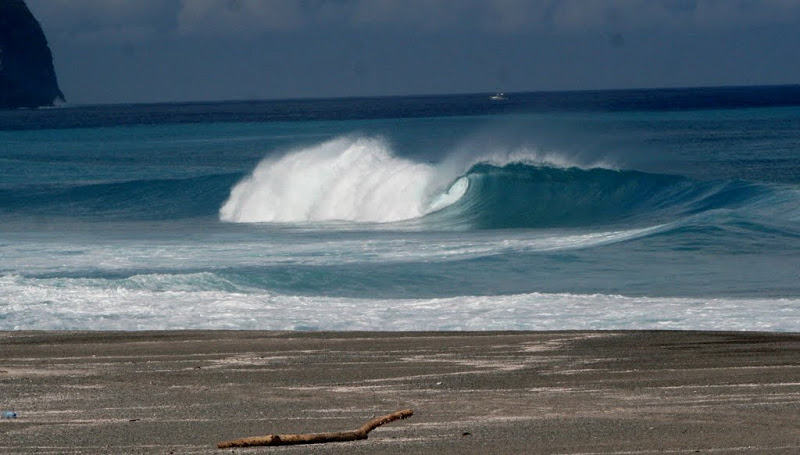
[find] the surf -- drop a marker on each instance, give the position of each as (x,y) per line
(206,301)
(361,180)
(345,179)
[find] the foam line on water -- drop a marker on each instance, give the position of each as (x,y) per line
(26,304)
(104,257)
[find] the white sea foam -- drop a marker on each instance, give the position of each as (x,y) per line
(44,304)
(360,179)
(352,179)
(497,155)
(58,256)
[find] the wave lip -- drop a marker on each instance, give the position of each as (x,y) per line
(344,179)
(359,180)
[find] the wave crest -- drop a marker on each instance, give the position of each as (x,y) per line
(360,180)
(344,179)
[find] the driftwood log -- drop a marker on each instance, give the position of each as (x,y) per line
(316,438)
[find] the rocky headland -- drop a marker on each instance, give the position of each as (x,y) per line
(27,76)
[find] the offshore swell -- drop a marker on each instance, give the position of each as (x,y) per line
(383,225)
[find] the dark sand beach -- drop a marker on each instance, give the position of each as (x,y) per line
(485,392)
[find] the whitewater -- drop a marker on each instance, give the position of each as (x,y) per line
(483,219)
(343,179)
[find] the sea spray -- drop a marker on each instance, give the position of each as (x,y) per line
(347,179)
(118,227)
(359,179)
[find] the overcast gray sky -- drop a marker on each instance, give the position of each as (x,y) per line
(183,50)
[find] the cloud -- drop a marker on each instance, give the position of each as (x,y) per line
(149,50)
(745,13)
(105,21)
(239,17)
(253,17)
(637,15)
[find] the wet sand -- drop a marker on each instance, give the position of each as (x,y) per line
(488,393)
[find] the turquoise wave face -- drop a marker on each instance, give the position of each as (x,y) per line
(526,196)
(597,220)
(513,196)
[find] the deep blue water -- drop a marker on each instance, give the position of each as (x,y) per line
(676,209)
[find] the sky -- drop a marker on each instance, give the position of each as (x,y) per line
(133,51)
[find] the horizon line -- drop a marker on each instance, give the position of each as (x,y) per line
(421,95)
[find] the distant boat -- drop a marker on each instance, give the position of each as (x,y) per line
(499,96)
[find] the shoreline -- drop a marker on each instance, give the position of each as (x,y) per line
(472,392)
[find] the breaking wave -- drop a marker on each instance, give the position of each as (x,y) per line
(360,180)
(340,180)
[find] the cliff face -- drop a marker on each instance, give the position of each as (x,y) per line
(27,76)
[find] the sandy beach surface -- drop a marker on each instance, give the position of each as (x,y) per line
(487,392)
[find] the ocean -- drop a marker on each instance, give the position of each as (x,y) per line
(633,209)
